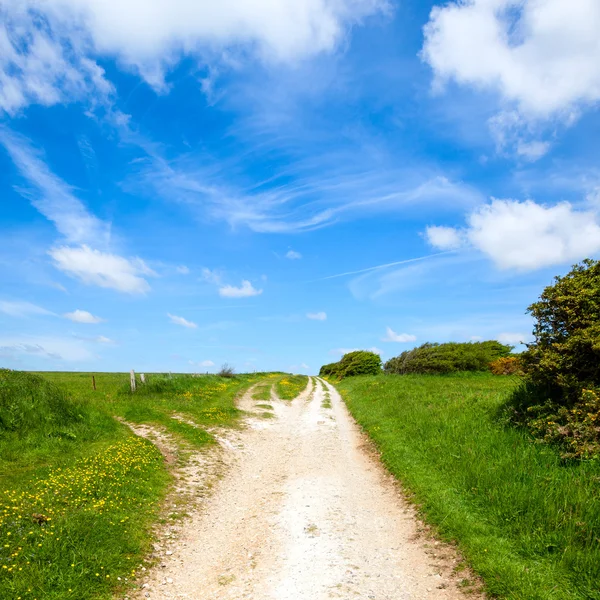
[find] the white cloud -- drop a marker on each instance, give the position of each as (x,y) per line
(527,236)
(22,309)
(48,49)
(244,291)
(444,238)
(544,56)
(181,321)
(83,316)
(212,276)
(42,62)
(207,363)
(304,366)
(183,270)
(342,351)
(514,339)
(318,316)
(105,270)
(392,336)
(51,196)
(293,255)
(101,339)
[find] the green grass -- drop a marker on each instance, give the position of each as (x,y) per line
(262,392)
(79,491)
(288,387)
(527,523)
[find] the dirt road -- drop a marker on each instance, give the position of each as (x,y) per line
(304,512)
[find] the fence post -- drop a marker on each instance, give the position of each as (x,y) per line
(142,378)
(94,382)
(132,379)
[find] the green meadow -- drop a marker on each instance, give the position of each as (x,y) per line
(527,522)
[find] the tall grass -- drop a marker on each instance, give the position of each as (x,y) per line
(527,522)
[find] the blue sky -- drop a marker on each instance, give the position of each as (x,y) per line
(270,183)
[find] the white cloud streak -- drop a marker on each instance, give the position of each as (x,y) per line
(318,316)
(51,196)
(105,270)
(83,316)
(392,336)
(181,321)
(293,255)
(246,290)
(22,309)
(384,266)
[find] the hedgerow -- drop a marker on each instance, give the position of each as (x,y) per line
(450,357)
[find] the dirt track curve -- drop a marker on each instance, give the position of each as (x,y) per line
(303,512)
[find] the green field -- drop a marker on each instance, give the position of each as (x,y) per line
(528,523)
(79,491)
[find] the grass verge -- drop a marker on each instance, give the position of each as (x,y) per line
(527,522)
(79,491)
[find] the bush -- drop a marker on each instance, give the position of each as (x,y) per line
(559,402)
(507,365)
(360,362)
(448,358)
(226,371)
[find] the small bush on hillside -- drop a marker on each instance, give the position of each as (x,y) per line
(448,358)
(360,362)
(507,365)
(559,401)
(226,371)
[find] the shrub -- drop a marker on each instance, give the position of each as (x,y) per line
(448,358)
(507,365)
(360,362)
(559,402)
(226,371)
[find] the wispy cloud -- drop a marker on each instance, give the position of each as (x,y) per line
(83,316)
(244,291)
(383,266)
(318,316)
(392,336)
(181,321)
(22,309)
(293,255)
(183,270)
(51,196)
(93,267)
(52,348)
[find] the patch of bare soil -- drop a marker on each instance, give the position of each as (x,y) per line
(304,511)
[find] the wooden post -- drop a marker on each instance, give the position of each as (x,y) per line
(94,382)
(142,378)
(132,378)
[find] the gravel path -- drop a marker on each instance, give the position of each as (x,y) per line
(304,512)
